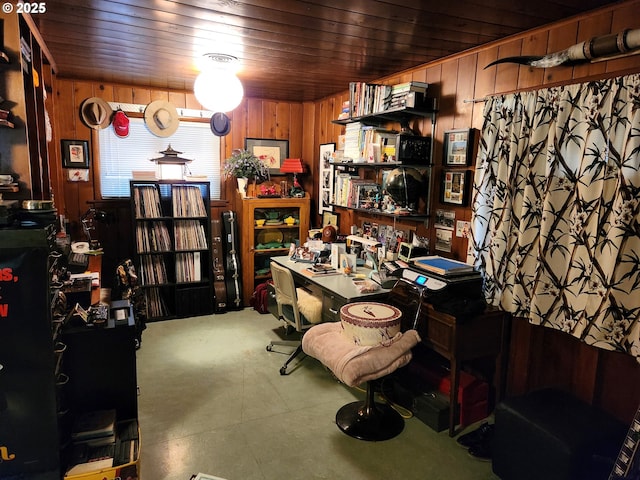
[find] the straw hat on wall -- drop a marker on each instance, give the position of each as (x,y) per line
(96,113)
(161,118)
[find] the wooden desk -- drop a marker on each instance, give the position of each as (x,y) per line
(334,290)
(483,336)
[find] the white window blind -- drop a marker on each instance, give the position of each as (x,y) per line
(121,156)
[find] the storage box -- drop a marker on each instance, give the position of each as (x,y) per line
(432,409)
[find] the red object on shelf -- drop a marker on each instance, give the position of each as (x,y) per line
(473,393)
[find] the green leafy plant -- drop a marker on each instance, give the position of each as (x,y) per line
(244,164)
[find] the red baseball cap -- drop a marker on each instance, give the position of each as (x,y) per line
(121,124)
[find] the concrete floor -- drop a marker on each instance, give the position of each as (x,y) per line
(212,401)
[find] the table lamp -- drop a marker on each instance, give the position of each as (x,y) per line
(170,165)
(295,166)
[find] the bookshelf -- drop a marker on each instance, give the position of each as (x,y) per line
(373,149)
(171,238)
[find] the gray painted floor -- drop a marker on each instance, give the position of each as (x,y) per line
(212,401)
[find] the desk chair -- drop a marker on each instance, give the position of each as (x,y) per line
(296,307)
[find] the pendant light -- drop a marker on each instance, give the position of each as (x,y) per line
(217,87)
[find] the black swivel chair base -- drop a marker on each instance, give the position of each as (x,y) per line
(368,420)
(296,352)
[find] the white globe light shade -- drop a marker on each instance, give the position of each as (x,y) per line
(218,90)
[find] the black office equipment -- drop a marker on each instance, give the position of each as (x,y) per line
(78,262)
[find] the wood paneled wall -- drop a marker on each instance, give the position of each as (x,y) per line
(459,80)
(597,376)
(253,118)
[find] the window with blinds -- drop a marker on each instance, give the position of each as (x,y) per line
(119,157)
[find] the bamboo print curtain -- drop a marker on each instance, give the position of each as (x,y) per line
(555,219)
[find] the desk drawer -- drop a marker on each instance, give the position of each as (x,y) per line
(331,305)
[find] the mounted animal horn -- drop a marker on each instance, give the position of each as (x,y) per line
(596,49)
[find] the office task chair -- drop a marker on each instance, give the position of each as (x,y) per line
(296,307)
(354,363)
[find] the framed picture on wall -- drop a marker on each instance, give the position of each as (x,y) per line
(75,153)
(325,178)
(459,146)
(455,187)
(269,151)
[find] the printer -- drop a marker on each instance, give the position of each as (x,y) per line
(458,295)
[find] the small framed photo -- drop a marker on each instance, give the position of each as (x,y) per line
(330,218)
(459,146)
(455,187)
(75,153)
(271,152)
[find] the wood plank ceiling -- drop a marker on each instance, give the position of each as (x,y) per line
(289,50)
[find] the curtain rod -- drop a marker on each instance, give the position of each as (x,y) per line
(476,100)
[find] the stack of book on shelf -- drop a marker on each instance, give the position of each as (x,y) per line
(101,443)
(407,95)
(368,98)
(346,110)
(354,192)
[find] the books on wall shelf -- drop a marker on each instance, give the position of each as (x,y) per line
(370,99)
(443,266)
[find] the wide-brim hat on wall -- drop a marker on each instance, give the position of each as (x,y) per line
(96,113)
(161,118)
(220,124)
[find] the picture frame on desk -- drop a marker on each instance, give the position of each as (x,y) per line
(75,153)
(455,187)
(272,152)
(459,146)
(331,218)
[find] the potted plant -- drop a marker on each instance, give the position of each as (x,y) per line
(245,166)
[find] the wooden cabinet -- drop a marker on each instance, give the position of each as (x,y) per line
(268,226)
(172,240)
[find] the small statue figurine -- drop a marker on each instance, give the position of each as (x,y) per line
(296,190)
